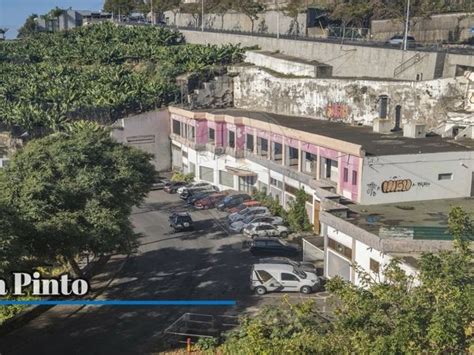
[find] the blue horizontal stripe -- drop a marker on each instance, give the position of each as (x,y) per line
(122,303)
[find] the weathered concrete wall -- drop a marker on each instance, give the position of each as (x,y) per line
(346,60)
(283,64)
(437,28)
(149,132)
(355,101)
(266,22)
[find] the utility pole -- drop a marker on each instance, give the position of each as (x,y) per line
(407,22)
(278,19)
(202,15)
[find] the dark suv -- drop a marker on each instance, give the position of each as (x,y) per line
(272,247)
(181,221)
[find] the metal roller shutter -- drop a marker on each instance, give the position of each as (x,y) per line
(206,174)
(226,178)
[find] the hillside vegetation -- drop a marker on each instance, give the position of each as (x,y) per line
(102,72)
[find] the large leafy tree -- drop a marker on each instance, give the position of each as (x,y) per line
(249,8)
(297,215)
(76,190)
(391,314)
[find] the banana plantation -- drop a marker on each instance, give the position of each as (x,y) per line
(101,72)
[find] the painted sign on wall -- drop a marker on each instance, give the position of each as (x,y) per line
(396,185)
(337,110)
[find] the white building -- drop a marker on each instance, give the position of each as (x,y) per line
(336,164)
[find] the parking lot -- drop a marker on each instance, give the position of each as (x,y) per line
(206,263)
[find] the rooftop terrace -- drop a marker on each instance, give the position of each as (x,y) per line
(423,220)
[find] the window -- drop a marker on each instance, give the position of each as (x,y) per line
(262,275)
(184,154)
(231,139)
(290,189)
(445,176)
(339,248)
(354,177)
(275,182)
(346,175)
(212,135)
(262,146)
(191,133)
(374,266)
(288,277)
(249,142)
(176,127)
(383,99)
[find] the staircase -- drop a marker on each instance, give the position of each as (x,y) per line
(418,57)
(439,65)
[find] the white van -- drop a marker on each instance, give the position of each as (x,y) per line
(281,278)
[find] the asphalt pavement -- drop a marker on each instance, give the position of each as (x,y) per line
(206,263)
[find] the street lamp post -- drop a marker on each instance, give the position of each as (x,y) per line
(405,37)
(202,15)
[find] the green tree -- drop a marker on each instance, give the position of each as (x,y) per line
(287,329)
(220,7)
(29,27)
(297,215)
(250,8)
(76,189)
(292,9)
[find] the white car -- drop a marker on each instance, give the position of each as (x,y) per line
(246,212)
(238,226)
(265,230)
(281,278)
(192,185)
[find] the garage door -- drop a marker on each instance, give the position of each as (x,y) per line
(206,174)
(226,178)
(177,157)
(338,266)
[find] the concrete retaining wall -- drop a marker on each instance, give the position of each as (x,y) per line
(346,60)
(348,100)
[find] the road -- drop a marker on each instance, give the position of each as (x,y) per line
(203,264)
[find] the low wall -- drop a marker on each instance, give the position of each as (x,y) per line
(348,100)
(267,22)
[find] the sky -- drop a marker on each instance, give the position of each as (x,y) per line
(13,13)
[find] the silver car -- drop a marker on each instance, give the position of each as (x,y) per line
(249,211)
(238,226)
(265,230)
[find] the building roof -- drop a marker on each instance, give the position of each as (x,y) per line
(372,143)
(422,220)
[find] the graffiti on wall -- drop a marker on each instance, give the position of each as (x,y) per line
(396,185)
(337,110)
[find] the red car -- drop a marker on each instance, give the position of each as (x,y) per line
(243,205)
(209,201)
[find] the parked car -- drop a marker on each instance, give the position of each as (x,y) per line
(198,196)
(249,211)
(195,190)
(397,40)
(232,201)
(159,184)
(281,278)
(306,266)
(209,201)
(271,246)
(173,186)
(238,226)
(263,229)
(250,203)
(193,184)
(181,221)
